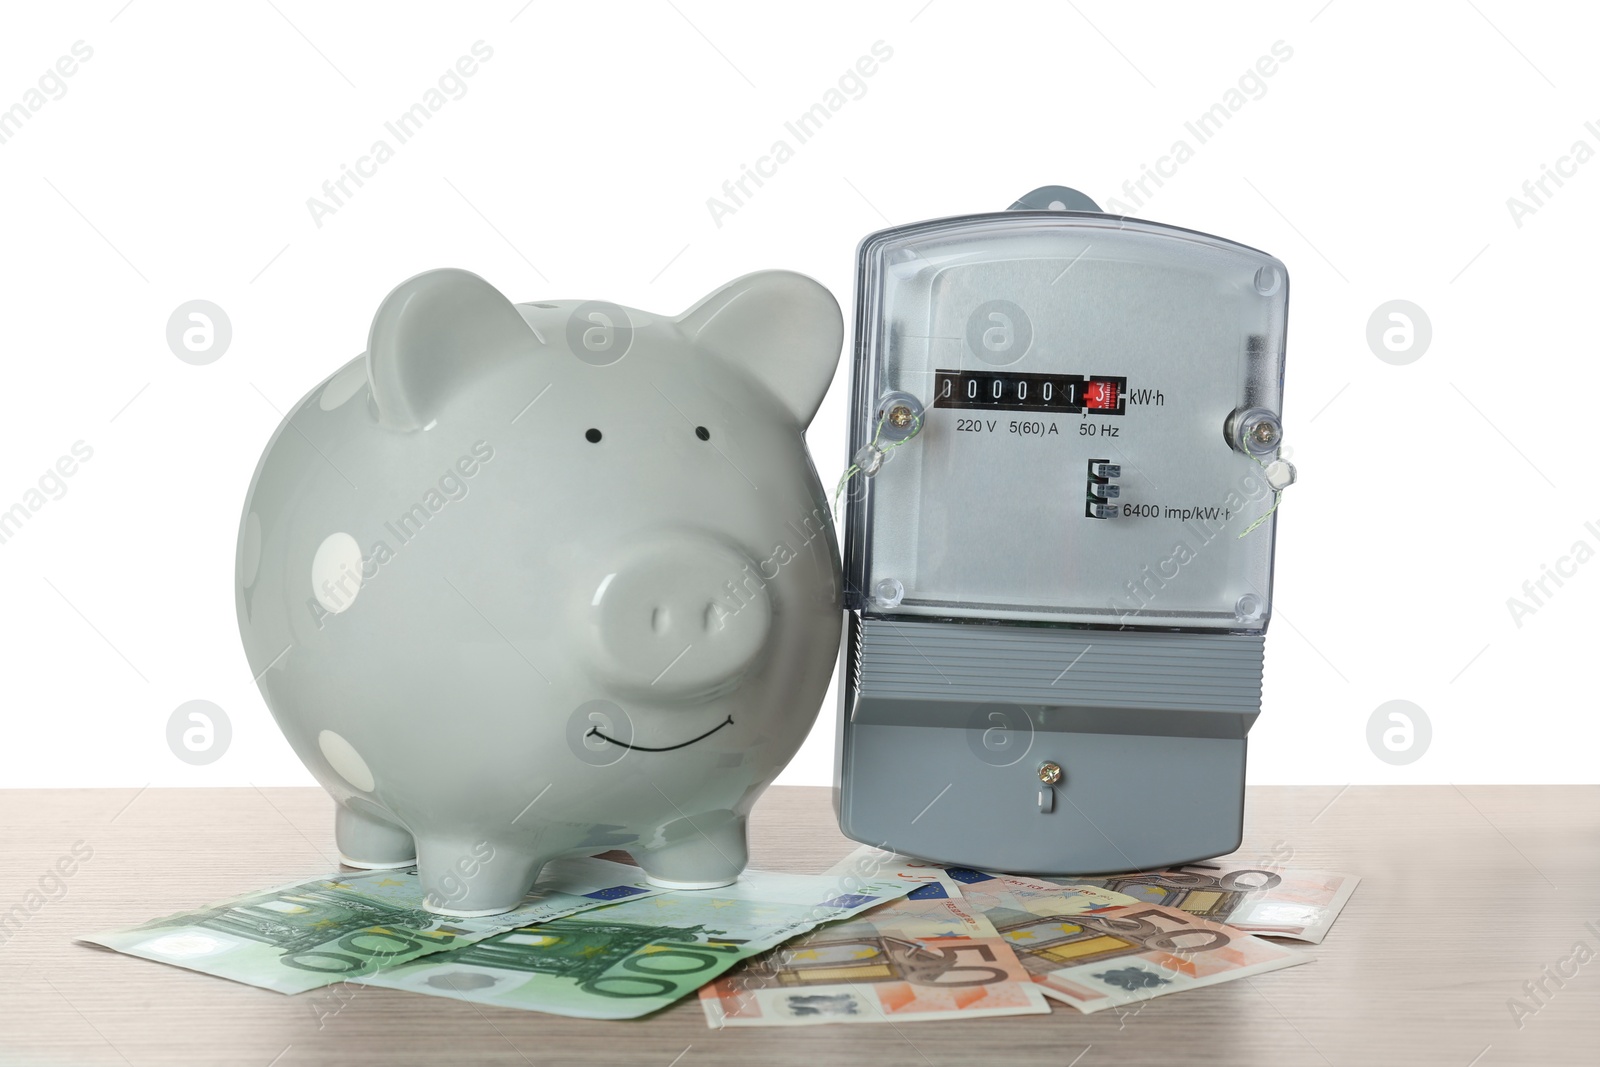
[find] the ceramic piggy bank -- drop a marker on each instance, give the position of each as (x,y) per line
(525,580)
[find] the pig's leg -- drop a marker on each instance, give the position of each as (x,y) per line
(703,852)
(470,878)
(370,842)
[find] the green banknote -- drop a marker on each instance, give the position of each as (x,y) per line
(310,934)
(632,958)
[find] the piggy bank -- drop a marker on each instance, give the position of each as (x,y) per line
(526,580)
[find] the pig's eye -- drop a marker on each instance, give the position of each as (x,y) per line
(702,433)
(592,436)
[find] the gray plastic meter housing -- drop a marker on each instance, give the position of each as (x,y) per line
(1054,644)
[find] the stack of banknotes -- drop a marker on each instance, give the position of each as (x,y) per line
(879,938)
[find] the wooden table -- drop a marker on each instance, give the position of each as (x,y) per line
(1467,894)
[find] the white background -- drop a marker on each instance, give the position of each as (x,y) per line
(1377,164)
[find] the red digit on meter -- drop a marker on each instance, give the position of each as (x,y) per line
(1100,396)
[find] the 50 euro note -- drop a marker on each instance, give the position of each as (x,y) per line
(1299,905)
(632,958)
(1272,902)
(983,889)
(311,934)
(927,956)
(1121,955)
(1092,946)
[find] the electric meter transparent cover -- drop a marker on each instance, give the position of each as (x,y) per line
(1147,339)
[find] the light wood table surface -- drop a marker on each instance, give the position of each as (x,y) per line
(1467,894)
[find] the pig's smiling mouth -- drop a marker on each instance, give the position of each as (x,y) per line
(594,731)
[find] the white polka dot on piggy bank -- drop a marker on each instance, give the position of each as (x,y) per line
(523,581)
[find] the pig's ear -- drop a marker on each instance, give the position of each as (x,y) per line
(781,327)
(431,336)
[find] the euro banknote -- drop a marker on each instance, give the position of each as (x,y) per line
(1122,955)
(928,956)
(1092,946)
(984,889)
(1271,902)
(632,958)
(310,934)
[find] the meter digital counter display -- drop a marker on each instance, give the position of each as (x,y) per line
(1069,394)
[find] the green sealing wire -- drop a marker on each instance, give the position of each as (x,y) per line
(1277,494)
(855,468)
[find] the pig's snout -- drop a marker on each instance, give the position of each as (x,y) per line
(680,619)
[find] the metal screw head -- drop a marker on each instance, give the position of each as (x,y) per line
(1049,772)
(896,417)
(1253,431)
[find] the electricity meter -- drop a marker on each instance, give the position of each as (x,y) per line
(1067,455)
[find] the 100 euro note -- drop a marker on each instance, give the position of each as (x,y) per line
(633,958)
(1289,903)
(311,934)
(928,956)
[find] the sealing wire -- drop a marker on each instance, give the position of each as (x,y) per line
(855,468)
(1277,494)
